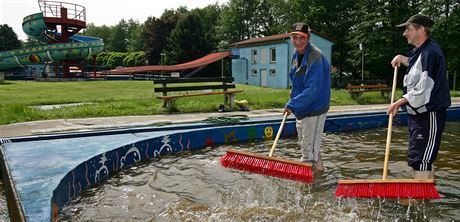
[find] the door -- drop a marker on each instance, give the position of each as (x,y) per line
(263,78)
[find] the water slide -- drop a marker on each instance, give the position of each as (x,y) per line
(78,48)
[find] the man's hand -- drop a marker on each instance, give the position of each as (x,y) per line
(393,109)
(288,111)
(398,60)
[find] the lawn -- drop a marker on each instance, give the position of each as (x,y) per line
(120,98)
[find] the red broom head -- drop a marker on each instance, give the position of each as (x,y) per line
(388,188)
(269,166)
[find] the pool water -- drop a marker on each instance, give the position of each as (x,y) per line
(194,187)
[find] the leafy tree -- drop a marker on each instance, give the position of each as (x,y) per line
(8,38)
(103,32)
(135,40)
(446,32)
(337,26)
(331,18)
(445,12)
(370,30)
(30,42)
(184,38)
(274,17)
(156,32)
(188,40)
(152,36)
(452,36)
(119,37)
(209,18)
(238,21)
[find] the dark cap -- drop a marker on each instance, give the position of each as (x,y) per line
(300,28)
(420,19)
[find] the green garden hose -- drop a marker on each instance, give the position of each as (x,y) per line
(226,119)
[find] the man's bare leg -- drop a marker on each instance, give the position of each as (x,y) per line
(424,174)
(417,175)
(319,163)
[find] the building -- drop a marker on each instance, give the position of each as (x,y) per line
(266,61)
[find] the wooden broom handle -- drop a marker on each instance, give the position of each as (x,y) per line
(390,126)
(278,135)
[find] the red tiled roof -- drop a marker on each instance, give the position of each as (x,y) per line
(208,59)
(273,38)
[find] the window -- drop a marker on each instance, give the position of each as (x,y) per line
(263,56)
(254,56)
(273,72)
(254,72)
(272,55)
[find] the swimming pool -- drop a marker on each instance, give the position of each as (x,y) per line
(192,186)
(43,173)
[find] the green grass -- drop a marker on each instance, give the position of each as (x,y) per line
(121,98)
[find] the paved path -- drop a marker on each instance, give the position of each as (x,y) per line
(90,124)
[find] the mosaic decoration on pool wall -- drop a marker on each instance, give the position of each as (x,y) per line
(101,166)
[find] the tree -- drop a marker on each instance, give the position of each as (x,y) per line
(189,39)
(446,21)
(238,21)
(135,40)
(30,42)
(209,16)
(8,38)
(156,32)
(331,18)
(103,32)
(370,30)
(274,17)
(446,32)
(119,37)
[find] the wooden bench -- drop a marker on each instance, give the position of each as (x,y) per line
(356,90)
(197,87)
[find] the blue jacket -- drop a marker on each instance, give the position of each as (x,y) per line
(425,84)
(311,84)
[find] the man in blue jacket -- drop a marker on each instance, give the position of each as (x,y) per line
(310,94)
(426,94)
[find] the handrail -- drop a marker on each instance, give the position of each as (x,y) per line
(53,9)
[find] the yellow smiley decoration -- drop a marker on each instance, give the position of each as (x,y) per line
(268,131)
(231,137)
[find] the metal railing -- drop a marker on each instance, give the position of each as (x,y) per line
(53,9)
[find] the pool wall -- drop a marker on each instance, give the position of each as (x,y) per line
(99,164)
(105,164)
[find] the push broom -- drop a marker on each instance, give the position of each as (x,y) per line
(268,165)
(388,188)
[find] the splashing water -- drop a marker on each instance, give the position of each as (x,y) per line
(193,186)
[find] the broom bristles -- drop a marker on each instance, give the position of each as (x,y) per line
(388,188)
(269,166)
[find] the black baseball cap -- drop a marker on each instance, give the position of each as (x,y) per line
(301,29)
(420,19)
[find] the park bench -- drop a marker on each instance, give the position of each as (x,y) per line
(194,87)
(356,90)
